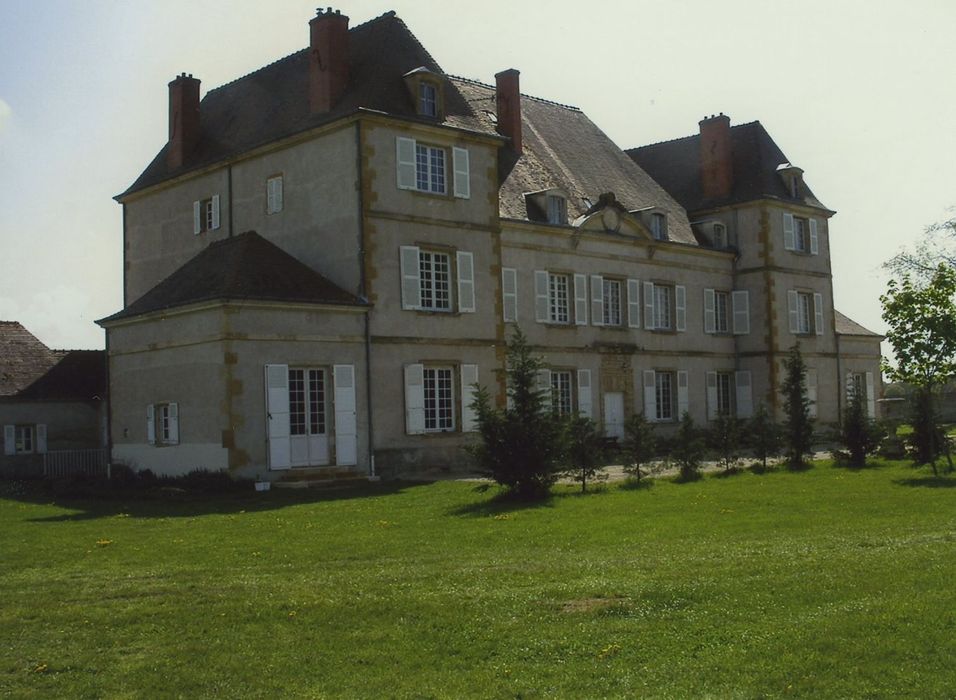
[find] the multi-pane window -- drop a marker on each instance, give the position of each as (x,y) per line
(561,392)
(274,194)
(206,215)
(663,306)
(857,386)
(720,236)
(557,209)
(558,300)
(659,227)
(24,442)
(430,169)
(721,306)
(296,402)
(804,313)
(724,393)
(164,423)
(801,235)
(664,395)
(439,399)
(435,275)
(306,401)
(427,99)
(612,302)
(316,401)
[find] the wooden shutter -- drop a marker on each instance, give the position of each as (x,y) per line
(584,393)
(710,314)
(680,307)
(740,302)
(788,235)
(870,396)
(151,424)
(9,439)
(792,302)
(197,218)
(414,399)
(818,313)
(509,295)
(277,408)
(633,303)
(215,211)
(544,387)
(469,378)
(405,159)
(649,305)
(814,238)
(411,277)
(650,395)
(173,409)
(812,391)
(541,297)
(744,389)
(597,300)
(712,396)
(459,158)
(346,428)
(581,300)
(466,282)
(41,438)
(682,394)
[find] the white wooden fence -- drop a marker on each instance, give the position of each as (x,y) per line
(91,463)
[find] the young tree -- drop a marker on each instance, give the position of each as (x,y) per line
(798,426)
(922,331)
(936,246)
(586,451)
(639,445)
(763,436)
(858,432)
(688,449)
(522,446)
(724,439)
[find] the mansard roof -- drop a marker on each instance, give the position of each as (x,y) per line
(246,267)
(23,358)
(79,375)
(756,157)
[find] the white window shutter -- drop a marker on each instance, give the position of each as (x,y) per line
(270,196)
(597,300)
(469,378)
(850,387)
(745,398)
(215,211)
(711,396)
(544,386)
(633,304)
(466,282)
(197,218)
(792,308)
(680,298)
(788,236)
(414,399)
(173,424)
(541,296)
(277,408)
(509,295)
(710,315)
(650,395)
(814,238)
(584,393)
(9,440)
(462,173)
(812,391)
(649,305)
(41,438)
(818,313)
(151,424)
(278,187)
(405,159)
(740,301)
(682,394)
(411,277)
(346,428)
(581,300)
(870,396)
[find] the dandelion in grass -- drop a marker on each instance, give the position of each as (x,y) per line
(104,543)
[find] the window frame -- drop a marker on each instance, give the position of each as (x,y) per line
(665,382)
(658,226)
(27,431)
(429,280)
(554,298)
(424,101)
(722,301)
(437,379)
(562,392)
(609,308)
(726,393)
(426,170)
(556,209)
(804,324)
(274,194)
(664,317)
(721,230)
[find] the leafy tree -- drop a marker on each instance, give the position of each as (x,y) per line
(921,317)
(763,436)
(937,246)
(586,451)
(858,432)
(798,427)
(639,445)
(724,439)
(688,449)
(521,446)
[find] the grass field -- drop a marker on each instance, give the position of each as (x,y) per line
(824,583)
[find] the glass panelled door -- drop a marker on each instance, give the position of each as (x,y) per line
(308,424)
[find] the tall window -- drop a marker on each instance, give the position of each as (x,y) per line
(612,302)
(659,227)
(720,236)
(25,442)
(724,393)
(435,275)
(430,169)
(439,399)
(561,392)
(274,194)
(206,215)
(306,402)
(804,313)
(558,301)
(801,235)
(721,305)
(427,99)
(664,395)
(557,209)
(663,306)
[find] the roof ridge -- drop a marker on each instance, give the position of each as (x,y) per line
(479,83)
(684,138)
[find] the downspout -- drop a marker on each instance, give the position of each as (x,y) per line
(229,194)
(364,294)
(839,378)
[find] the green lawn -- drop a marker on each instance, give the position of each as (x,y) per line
(825,583)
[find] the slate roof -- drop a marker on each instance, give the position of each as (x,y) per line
(79,375)
(23,358)
(676,166)
(847,326)
(243,267)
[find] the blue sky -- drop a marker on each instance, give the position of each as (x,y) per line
(858,94)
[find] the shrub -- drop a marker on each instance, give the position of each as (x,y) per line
(763,436)
(639,446)
(724,439)
(586,452)
(858,433)
(798,427)
(688,449)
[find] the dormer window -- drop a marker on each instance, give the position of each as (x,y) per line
(425,88)
(659,227)
(792,178)
(720,236)
(557,209)
(427,99)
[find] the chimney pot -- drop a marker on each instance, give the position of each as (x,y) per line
(508,104)
(716,158)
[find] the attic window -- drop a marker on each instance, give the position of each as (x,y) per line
(557,209)
(720,236)
(427,99)
(659,227)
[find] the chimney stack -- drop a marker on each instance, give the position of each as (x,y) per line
(508,97)
(716,158)
(183,119)
(328,59)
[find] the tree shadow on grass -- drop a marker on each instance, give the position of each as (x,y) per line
(932,482)
(637,485)
(501,503)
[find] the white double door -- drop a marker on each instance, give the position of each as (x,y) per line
(308,417)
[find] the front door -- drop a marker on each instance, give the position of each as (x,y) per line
(614,415)
(308,423)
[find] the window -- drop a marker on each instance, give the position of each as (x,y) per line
(804,304)
(439,399)
(659,227)
(509,295)
(274,194)
(424,168)
(665,307)
(162,423)
(721,302)
(728,394)
(427,99)
(612,302)
(800,234)
(430,169)
(557,209)
(307,402)
(720,236)
(664,395)
(724,403)
(24,441)
(861,384)
(561,392)
(558,302)
(206,215)
(806,312)
(427,279)
(726,312)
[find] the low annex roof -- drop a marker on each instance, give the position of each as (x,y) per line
(23,358)
(244,267)
(79,375)
(847,326)
(756,157)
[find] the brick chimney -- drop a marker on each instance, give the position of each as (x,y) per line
(183,119)
(508,97)
(716,158)
(328,59)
